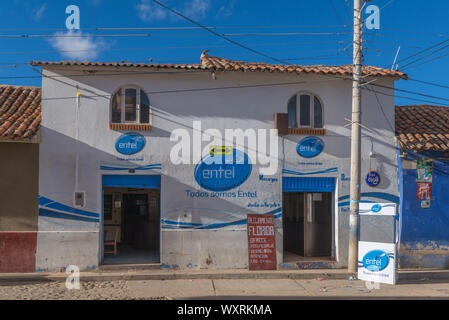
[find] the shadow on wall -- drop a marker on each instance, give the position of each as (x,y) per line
(178,210)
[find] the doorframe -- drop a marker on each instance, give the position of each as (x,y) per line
(100,194)
(334,217)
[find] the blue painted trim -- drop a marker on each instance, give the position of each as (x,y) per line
(51,204)
(101,257)
(308,184)
(398,225)
(177,223)
(378,195)
(55,214)
(371,209)
(168,224)
(299,173)
(154,166)
(132,181)
(346,203)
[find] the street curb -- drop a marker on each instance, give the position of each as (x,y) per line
(334,274)
(109,276)
(423,275)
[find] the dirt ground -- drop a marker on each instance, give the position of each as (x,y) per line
(228,288)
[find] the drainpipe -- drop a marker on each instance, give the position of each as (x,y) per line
(77,138)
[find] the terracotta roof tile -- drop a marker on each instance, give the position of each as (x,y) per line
(221,64)
(217,63)
(20,112)
(422,128)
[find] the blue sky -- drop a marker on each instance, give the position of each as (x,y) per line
(414,25)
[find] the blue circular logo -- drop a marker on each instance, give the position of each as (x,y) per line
(372,179)
(375,260)
(310,147)
(130,143)
(222,172)
(376,208)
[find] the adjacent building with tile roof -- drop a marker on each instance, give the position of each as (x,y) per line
(422,128)
(20,113)
(422,132)
(20,121)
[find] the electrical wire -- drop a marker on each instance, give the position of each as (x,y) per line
(248,86)
(347,9)
(180,47)
(383,112)
(111,74)
(335,12)
(74,35)
(340,53)
(411,92)
(196,71)
(428,61)
(422,51)
(429,83)
(288,34)
(407,98)
(387,4)
(188,90)
(421,58)
(180,28)
(243,86)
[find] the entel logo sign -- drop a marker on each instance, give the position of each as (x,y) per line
(310,147)
(372,179)
(223,172)
(130,143)
(375,260)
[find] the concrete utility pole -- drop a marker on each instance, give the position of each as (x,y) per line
(355,140)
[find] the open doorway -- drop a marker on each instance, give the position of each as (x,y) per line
(131,225)
(307,224)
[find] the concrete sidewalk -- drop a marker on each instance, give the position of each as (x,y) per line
(165,274)
(133,274)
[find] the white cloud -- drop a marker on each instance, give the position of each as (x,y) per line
(196,9)
(226,10)
(39,12)
(77,48)
(148,12)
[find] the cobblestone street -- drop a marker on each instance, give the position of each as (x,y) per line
(226,288)
(54,290)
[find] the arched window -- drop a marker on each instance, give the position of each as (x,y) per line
(305,111)
(131,105)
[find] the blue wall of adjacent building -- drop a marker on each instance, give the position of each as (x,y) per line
(424,232)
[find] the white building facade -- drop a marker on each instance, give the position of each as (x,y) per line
(111,134)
